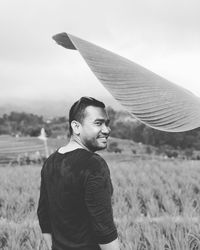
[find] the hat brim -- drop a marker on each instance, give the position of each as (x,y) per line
(152,99)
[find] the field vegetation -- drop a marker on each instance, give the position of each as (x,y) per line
(156,178)
(156,203)
(26,150)
(122,124)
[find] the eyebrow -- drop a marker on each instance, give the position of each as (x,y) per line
(103,120)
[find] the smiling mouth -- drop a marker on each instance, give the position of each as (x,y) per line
(103,138)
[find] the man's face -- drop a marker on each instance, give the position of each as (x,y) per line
(94,130)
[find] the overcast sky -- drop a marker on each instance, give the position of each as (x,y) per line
(161,35)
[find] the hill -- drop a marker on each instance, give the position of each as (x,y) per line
(47,109)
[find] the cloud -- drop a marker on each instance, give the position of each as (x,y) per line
(160,35)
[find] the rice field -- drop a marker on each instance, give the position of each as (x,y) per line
(14,149)
(156,204)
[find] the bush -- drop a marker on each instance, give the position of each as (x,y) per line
(148,149)
(189,153)
(171,153)
(113,147)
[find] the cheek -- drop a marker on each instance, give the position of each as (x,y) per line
(87,133)
(91,131)
(91,135)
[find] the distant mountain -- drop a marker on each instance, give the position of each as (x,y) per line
(47,108)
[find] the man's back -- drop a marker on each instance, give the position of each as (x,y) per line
(75,201)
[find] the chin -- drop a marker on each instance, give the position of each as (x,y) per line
(101,147)
(97,146)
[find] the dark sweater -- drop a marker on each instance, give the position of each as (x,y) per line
(75,201)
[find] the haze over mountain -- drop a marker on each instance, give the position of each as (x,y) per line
(41,77)
(44,108)
(47,108)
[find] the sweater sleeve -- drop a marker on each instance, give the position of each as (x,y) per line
(43,208)
(98,191)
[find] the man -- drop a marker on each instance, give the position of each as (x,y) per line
(74,208)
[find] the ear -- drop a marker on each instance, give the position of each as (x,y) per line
(75,127)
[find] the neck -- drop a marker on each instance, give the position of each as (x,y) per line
(76,142)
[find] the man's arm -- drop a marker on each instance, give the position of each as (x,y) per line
(43,213)
(114,245)
(98,191)
(48,240)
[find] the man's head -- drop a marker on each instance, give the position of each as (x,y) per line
(89,121)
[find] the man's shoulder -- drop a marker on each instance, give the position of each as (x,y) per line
(50,157)
(96,164)
(48,161)
(97,159)
(77,154)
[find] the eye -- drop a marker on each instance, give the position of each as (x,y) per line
(98,123)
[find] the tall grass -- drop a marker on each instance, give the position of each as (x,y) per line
(156,204)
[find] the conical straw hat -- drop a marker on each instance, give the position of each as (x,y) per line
(152,99)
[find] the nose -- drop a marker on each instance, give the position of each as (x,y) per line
(105,129)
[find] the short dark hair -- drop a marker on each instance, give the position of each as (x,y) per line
(77,110)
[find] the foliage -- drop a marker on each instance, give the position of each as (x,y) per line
(26,124)
(27,150)
(122,124)
(156,204)
(113,147)
(126,127)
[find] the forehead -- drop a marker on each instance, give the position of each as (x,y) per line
(94,113)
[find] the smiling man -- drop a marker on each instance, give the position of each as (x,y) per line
(74,209)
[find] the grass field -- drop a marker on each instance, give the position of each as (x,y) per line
(17,150)
(156,204)
(13,149)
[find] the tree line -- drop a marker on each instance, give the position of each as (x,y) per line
(125,126)
(122,124)
(26,124)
